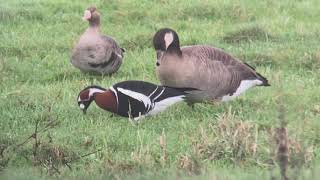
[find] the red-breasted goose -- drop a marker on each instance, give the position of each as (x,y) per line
(217,75)
(95,52)
(133,99)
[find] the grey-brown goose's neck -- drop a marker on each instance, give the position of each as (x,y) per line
(93,30)
(95,22)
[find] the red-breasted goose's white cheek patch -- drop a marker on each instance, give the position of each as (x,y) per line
(81,106)
(86,15)
(168,39)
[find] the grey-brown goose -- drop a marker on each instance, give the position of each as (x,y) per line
(95,52)
(217,75)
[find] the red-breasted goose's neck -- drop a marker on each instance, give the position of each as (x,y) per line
(106,100)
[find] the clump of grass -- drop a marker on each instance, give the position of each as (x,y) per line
(4,160)
(163,146)
(199,11)
(247,34)
(117,167)
(12,51)
(53,156)
(144,156)
(257,59)
(234,140)
(290,153)
(140,41)
(190,164)
(20,13)
(310,61)
(282,150)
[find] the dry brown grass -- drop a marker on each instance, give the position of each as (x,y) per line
(190,164)
(229,138)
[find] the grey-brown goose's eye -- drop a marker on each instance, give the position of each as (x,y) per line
(159,54)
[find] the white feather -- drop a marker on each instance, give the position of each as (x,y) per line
(153,92)
(162,105)
(135,95)
(119,55)
(139,117)
(244,85)
(95,90)
(115,92)
(159,94)
(168,39)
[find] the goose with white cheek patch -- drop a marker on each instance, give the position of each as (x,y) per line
(132,99)
(217,75)
(94,52)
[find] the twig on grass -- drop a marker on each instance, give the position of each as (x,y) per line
(51,124)
(82,156)
(282,143)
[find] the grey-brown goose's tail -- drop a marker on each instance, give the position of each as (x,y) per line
(263,79)
(259,76)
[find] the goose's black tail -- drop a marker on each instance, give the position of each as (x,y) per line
(259,76)
(264,80)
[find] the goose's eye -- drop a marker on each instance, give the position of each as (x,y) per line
(159,54)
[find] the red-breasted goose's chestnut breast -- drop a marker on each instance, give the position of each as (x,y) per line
(107,101)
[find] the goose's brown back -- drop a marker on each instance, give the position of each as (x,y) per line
(209,69)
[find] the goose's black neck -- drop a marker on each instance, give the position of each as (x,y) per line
(174,48)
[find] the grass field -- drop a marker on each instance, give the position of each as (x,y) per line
(234,140)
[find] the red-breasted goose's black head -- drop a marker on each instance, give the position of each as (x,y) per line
(166,40)
(86,96)
(92,15)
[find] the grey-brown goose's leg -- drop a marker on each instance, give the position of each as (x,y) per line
(190,104)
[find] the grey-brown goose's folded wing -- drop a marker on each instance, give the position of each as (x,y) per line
(95,51)
(106,53)
(114,45)
(219,72)
(110,58)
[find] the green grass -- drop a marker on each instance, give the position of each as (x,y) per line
(227,141)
